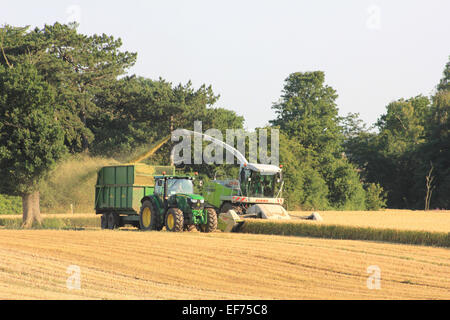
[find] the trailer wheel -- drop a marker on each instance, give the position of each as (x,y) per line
(148,219)
(174,220)
(104,221)
(211,221)
(113,220)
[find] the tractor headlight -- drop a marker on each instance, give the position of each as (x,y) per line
(194,200)
(202,201)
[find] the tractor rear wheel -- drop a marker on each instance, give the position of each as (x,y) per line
(174,220)
(148,219)
(211,221)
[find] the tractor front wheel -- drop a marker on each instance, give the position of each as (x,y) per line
(174,220)
(211,221)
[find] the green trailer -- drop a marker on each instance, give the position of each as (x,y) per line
(120,189)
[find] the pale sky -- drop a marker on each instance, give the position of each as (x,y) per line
(372,52)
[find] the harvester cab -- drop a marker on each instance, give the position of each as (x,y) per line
(260,180)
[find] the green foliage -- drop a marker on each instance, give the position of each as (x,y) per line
(375,199)
(345,191)
(436,151)
(307,111)
(444,84)
(87,65)
(413,137)
(136,112)
(31,140)
(304,188)
(403,126)
(10,204)
(316,174)
(142,111)
(352,126)
(315,192)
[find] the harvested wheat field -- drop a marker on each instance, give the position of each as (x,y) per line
(128,264)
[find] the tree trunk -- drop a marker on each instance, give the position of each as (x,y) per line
(31,209)
(429,184)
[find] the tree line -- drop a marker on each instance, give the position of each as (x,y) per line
(409,153)
(63,93)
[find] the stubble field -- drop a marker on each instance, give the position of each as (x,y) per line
(129,264)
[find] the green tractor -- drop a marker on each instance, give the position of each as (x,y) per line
(174,205)
(148,198)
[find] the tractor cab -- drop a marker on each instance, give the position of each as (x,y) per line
(173,191)
(175,206)
(260,180)
(167,186)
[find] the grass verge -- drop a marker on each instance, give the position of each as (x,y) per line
(314,229)
(63,223)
